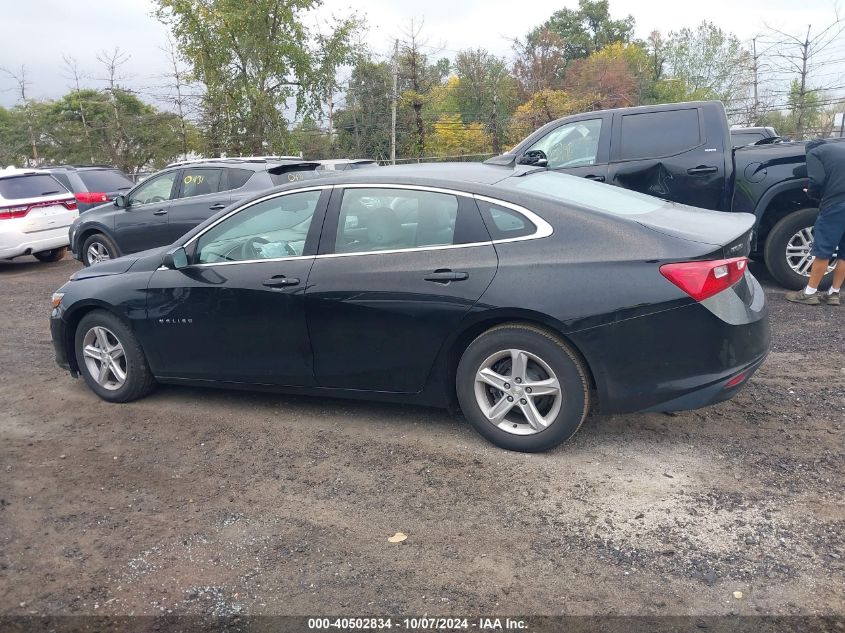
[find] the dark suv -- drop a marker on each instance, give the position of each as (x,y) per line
(171,202)
(92,185)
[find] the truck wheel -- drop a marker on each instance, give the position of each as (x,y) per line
(787,250)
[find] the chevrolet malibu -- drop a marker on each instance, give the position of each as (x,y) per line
(524,297)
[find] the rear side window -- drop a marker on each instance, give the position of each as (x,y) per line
(105,180)
(293,176)
(199,182)
(237,178)
(392,219)
(654,134)
(30,186)
(504,223)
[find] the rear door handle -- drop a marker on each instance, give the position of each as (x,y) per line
(280,281)
(160,212)
(217,207)
(701,170)
(445,276)
(596,177)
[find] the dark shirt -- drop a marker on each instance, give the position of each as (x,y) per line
(826,170)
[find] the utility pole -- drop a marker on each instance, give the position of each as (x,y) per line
(805,54)
(756,105)
(393,100)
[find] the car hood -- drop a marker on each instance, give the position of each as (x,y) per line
(137,262)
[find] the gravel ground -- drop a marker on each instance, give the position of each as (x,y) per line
(208,502)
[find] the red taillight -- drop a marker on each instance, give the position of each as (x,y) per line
(736,380)
(20,211)
(9,213)
(91,197)
(705,278)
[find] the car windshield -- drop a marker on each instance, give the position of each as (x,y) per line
(585,193)
(105,180)
(30,186)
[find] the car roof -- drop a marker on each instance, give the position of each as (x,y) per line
(80,167)
(19,171)
(255,163)
(442,174)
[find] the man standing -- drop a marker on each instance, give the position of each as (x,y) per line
(826,171)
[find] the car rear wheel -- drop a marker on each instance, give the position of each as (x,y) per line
(523,388)
(787,250)
(111,359)
(98,248)
(50,256)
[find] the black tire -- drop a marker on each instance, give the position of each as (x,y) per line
(139,380)
(774,252)
(102,240)
(557,354)
(51,256)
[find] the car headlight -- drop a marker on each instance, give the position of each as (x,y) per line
(57,299)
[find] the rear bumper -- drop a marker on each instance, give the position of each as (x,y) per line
(681,358)
(15,243)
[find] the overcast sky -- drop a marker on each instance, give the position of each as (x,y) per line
(37,33)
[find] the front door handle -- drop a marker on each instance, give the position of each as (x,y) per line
(596,177)
(217,207)
(444,276)
(280,281)
(701,170)
(160,212)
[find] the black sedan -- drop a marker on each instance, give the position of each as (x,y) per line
(525,297)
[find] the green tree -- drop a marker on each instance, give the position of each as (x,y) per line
(15,145)
(710,62)
(485,92)
(363,124)
(588,29)
(252,58)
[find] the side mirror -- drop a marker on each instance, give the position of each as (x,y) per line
(121,201)
(175,259)
(535,157)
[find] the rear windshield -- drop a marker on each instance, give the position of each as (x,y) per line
(30,186)
(585,193)
(105,180)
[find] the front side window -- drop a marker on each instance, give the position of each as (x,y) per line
(156,189)
(389,219)
(571,145)
(200,182)
(267,230)
(654,134)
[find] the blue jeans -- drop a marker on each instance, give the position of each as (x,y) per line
(829,232)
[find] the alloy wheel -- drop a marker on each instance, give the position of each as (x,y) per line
(798,252)
(105,358)
(518,392)
(97,252)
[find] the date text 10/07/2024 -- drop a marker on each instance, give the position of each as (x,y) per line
(418,624)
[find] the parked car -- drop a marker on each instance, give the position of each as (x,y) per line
(524,295)
(742,136)
(683,152)
(92,185)
(173,201)
(35,213)
(342,164)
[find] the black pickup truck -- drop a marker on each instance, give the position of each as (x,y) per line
(683,152)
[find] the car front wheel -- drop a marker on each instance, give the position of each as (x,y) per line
(111,359)
(523,388)
(98,248)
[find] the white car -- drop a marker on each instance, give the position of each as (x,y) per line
(36,211)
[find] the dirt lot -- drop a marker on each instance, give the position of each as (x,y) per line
(203,501)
